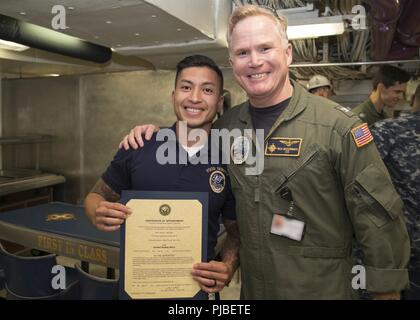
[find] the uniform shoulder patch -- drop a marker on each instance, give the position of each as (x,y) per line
(361,135)
(345,110)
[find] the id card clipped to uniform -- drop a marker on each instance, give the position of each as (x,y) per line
(288,225)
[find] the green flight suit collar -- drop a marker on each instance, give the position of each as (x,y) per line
(244,115)
(296,105)
(371,114)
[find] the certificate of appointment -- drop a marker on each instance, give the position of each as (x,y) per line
(160,241)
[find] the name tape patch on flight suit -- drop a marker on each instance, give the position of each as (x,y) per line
(283,147)
(361,135)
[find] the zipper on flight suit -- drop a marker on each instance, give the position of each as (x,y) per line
(256,189)
(302,163)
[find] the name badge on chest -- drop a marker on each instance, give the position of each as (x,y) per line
(283,147)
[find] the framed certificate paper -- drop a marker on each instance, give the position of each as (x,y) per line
(160,241)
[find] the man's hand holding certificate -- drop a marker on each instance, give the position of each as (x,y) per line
(160,243)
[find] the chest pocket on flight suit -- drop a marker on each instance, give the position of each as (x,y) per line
(286,175)
(378,195)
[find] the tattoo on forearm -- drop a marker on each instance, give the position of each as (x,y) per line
(105,191)
(230,250)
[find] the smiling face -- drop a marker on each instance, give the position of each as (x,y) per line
(197,97)
(392,95)
(260,60)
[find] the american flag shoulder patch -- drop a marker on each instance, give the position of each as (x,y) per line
(361,135)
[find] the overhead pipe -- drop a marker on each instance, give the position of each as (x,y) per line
(350,64)
(38,37)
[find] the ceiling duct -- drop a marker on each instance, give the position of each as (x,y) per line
(207,18)
(42,38)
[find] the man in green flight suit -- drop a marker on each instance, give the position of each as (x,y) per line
(389,85)
(323,181)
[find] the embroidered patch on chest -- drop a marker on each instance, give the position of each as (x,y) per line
(283,147)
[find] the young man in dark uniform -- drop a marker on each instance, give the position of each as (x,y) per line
(197,98)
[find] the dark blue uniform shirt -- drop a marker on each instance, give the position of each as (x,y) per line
(140,170)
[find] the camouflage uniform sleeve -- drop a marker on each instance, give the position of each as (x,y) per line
(376,213)
(383,137)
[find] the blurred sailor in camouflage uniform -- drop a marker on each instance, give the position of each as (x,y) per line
(398,142)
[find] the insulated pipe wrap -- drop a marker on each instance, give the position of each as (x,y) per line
(42,38)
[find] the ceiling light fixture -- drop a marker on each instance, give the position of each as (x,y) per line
(305,23)
(9,45)
(315,28)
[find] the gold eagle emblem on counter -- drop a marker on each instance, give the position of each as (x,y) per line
(60,217)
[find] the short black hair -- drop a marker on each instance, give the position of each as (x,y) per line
(389,76)
(198,60)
